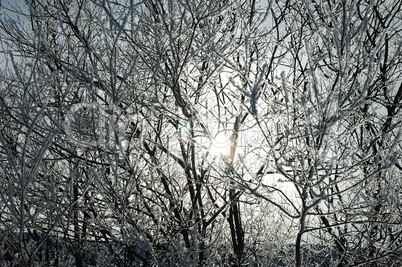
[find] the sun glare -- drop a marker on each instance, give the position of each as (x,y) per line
(220,145)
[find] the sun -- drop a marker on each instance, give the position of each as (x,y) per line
(220,145)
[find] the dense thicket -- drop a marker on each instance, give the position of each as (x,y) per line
(184,133)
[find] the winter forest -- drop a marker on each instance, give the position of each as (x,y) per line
(200,133)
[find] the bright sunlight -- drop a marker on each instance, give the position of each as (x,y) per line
(220,145)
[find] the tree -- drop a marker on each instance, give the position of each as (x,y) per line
(331,114)
(182,132)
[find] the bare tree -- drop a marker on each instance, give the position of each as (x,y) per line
(332,127)
(200,132)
